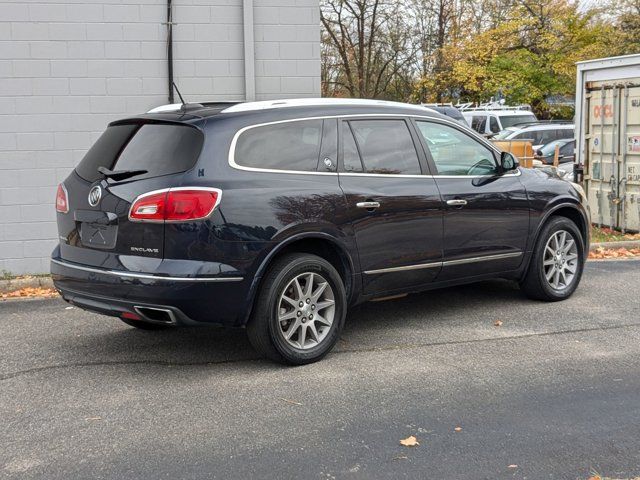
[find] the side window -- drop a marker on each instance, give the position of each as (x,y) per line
(535,137)
(456,153)
(547,136)
(350,156)
(281,146)
(567,150)
(478,123)
(386,147)
(328,161)
(493,124)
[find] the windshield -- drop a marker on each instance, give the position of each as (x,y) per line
(511,120)
(160,149)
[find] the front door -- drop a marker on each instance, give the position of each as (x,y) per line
(394,209)
(486,221)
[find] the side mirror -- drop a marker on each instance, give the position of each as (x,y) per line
(508,162)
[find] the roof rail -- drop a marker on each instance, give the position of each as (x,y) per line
(491,105)
(435,104)
(543,122)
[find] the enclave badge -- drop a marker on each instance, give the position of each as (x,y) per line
(94,195)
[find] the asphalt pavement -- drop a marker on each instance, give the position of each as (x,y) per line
(554,392)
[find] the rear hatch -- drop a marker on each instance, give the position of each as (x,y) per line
(132,157)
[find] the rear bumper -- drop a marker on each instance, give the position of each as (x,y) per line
(173,300)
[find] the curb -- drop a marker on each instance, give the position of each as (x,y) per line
(25,282)
(620,244)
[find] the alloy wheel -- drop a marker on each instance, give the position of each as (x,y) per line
(306,310)
(560,261)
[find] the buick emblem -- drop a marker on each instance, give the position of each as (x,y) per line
(94,195)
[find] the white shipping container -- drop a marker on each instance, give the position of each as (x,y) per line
(608,139)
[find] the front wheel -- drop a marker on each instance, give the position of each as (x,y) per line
(557,262)
(300,310)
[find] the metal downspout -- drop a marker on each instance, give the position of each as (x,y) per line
(170,50)
(249,52)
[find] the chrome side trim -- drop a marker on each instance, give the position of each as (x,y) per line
(461,261)
(147,276)
(403,269)
(234,141)
(484,258)
(382,175)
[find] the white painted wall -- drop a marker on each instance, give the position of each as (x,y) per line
(67,68)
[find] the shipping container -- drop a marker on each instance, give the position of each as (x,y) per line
(608,139)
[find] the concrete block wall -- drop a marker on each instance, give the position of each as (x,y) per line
(68,68)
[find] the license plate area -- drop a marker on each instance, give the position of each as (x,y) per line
(97,229)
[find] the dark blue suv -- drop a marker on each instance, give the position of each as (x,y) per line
(278,216)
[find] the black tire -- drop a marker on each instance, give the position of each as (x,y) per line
(263,329)
(535,284)
(142,325)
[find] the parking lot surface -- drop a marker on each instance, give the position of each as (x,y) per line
(552,392)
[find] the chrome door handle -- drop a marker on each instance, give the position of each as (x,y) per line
(458,202)
(368,205)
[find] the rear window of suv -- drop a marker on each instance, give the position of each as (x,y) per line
(291,145)
(161,149)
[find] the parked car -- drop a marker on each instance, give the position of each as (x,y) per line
(449,111)
(487,122)
(539,133)
(566,151)
(278,216)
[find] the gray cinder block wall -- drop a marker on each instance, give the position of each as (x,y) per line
(67,68)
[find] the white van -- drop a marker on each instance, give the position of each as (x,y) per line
(493,121)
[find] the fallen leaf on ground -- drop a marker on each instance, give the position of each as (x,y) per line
(411,441)
(31,292)
(602,253)
(497,323)
(458,429)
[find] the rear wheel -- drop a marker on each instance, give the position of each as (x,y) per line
(142,325)
(557,262)
(300,310)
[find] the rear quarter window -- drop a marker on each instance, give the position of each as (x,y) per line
(291,145)
(161,149)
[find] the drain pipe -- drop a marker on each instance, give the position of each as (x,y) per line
(170,49)
(249,51)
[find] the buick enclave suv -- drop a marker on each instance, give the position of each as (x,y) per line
(279,216)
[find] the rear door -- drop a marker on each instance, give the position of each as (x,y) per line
(96,230)
(394,209)
(486,220)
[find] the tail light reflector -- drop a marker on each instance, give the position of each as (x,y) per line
(182,204)
(62,199)
(130,316)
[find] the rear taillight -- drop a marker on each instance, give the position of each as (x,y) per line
(182,204)
(62,199)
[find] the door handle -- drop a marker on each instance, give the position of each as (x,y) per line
(457,202)
(368,205)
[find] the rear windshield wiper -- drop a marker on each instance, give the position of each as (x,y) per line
(120,174)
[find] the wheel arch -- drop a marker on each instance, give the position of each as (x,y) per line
(316,243)
(569,210)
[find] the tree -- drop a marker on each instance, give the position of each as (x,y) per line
(366,46)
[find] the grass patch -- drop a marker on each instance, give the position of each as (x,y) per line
(606,234)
